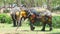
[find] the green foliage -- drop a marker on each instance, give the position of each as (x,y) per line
(4,18)
(53,3)
(56,21)
(6,11)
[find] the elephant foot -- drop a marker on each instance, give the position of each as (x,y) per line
(50,29)
(43,30)
(32,28)
(14,26)
(19,25)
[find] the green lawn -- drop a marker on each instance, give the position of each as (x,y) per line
(25,29)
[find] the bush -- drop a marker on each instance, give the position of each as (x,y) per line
(6,11)
(4,18)
(56,21)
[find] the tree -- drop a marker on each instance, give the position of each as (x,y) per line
(49,4)
(32,3)
(18,2)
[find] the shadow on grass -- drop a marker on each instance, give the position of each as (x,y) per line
(54,33)
(12,33)
(36,30)
(27,33)
(42,31)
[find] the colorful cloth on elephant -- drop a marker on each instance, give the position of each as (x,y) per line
(41,11)
(23,13)
(34,11)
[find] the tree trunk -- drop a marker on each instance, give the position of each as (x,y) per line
(26,3)
(32,3)
(18,2)
(49,4)
(29,3)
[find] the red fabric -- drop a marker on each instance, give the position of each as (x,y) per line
(32,21)
(33,16)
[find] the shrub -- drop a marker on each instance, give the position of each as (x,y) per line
(56,21)
(6,11)
(4,18)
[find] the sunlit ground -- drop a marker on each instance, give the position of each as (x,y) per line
(8,29)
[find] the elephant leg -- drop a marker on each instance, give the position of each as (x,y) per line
(19,22)
(14,23)
(32,26)
(50,25)
(43,29)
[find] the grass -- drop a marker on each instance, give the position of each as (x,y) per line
(8,29)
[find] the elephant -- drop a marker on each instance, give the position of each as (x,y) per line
(33,14)
(43,15)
